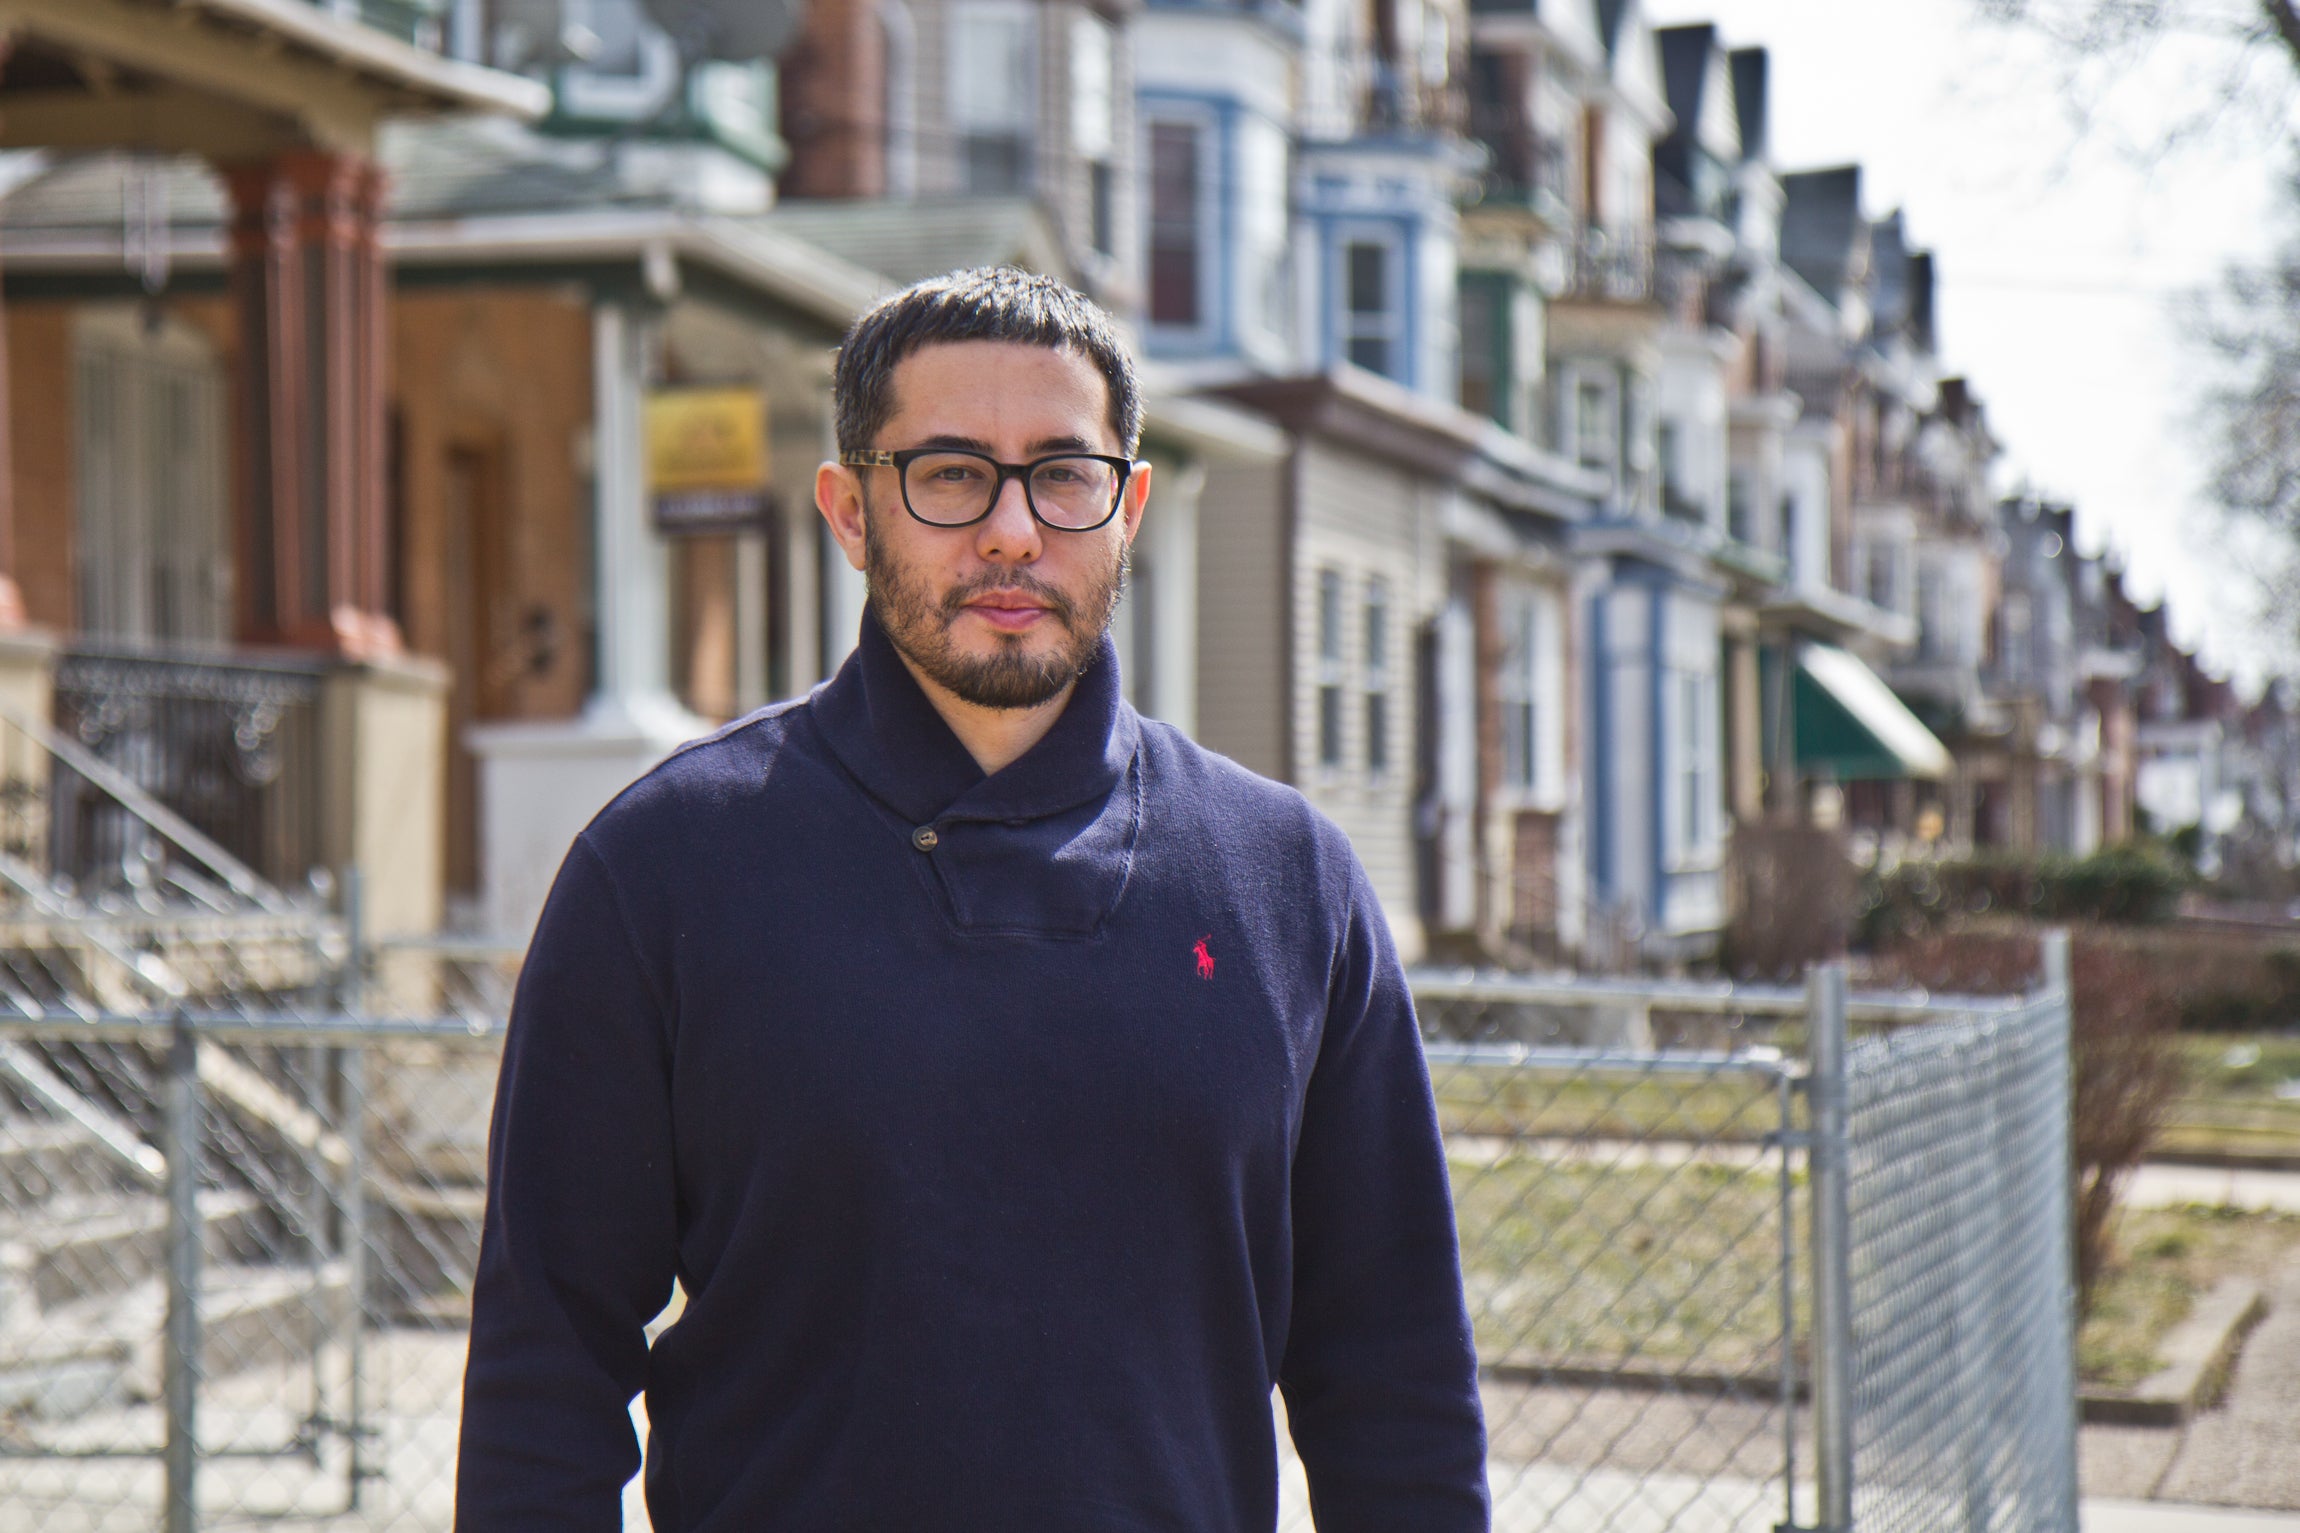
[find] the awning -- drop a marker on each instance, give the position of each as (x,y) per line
(1851,727)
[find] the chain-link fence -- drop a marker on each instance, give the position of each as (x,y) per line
(1961,1305)
(1729,1267)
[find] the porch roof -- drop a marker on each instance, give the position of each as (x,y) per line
(224,78)
(1852,727)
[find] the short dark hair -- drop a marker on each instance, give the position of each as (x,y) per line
(987,303)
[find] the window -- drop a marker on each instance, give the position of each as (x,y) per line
(1670,446)
(901,92)
(1100,215)
(1370,312)
(1377,677)
(1884,577)
(152,475)
(1932,613)
(1593,426)
(1697,694)
(1174,232)
(1484,341)
(1332,668)
(1519,691)
(1094,117)
(1740,510)
(993,92)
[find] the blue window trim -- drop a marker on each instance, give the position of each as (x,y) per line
(1668,745)
(1601,749)
(1226,112)
(1333,229)
(1660,587)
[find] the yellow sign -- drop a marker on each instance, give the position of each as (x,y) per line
(706,440)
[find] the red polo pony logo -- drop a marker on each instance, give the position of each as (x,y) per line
(1205,959)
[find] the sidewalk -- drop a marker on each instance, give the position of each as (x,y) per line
(2159,1186)
(2167,1517)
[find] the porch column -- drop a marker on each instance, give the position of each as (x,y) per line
(541,781)
(11,598)
(308,284)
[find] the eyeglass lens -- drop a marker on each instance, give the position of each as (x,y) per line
(957,487)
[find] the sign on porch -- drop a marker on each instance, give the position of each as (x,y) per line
(707,459)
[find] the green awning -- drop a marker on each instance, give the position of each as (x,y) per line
(1851,727)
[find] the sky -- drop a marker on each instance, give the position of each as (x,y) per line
(2063,252)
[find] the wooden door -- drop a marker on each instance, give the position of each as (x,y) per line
(475,615)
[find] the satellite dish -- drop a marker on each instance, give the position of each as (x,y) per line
(735,30)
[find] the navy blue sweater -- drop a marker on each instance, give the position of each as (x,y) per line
(1010,1135)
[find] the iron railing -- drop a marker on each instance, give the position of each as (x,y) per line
(229,742)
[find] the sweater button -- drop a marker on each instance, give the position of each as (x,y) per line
(925,839)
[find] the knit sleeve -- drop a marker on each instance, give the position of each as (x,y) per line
(1379,1373)
(579,1249)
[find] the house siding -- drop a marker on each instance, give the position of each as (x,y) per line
(1241,704)
(1366,520)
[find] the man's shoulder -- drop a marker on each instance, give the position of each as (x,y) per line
(706,777)
(1207,786)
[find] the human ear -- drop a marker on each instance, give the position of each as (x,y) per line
(1137,499)
(839,497)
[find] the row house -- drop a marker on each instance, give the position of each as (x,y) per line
(534,293)
(2267,771)
(2187,779)
(196,479)
(1570,342)
(1545,481)
(1385,619)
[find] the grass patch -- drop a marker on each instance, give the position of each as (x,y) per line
(2166,1258)
(2231,1102)
(1634,1266)
(1605,1104)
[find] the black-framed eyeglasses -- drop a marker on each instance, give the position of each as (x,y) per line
(955,487)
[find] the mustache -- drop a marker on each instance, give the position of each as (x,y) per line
(1021,581)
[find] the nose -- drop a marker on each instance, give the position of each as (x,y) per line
(1010,534)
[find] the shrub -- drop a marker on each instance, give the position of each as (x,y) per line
(1791,892)
(2122,885)
(2126,1007)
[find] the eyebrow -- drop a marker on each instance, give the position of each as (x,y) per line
(1038,449)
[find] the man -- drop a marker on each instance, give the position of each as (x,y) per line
(1016,1090)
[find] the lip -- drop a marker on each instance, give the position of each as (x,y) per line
(1008,613)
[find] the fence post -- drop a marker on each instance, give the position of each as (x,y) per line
(1832,1247)
(351,997)
(181,1385)
(2054,959)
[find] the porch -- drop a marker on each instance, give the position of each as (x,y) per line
(194,579)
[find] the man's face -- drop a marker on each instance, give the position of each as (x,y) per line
(1006,612)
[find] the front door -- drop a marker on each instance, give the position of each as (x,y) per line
(483,655)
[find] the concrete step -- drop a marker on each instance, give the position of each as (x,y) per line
(102,1353)
(42,1159)
(73,1248)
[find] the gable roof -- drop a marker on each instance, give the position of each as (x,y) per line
(1685,67)
(1823,238)
(906,242)
(1752,70)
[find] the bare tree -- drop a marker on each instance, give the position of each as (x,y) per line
(2242,58)
(2250,415)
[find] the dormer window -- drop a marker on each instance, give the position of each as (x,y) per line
(993,90)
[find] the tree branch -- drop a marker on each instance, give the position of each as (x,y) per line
(2284,16)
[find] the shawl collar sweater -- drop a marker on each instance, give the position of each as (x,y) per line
(1010,1137)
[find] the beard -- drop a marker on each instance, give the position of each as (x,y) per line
(1011,676)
